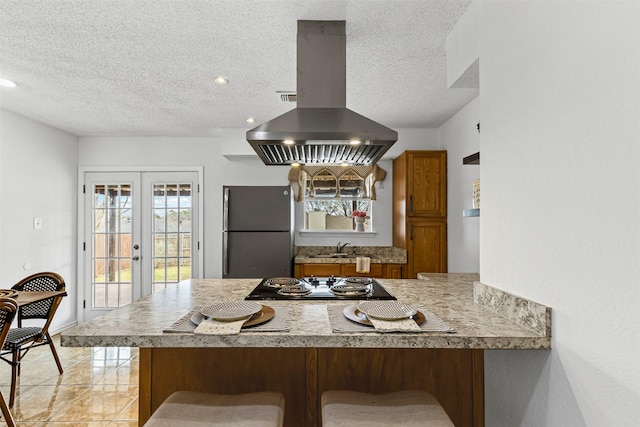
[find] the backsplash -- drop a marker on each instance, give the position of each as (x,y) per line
(525,312)
(380,251)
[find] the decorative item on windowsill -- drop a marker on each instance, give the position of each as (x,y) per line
(360,217)
(476,194)
(316,220)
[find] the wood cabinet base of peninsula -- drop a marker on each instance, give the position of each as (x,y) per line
(454,376)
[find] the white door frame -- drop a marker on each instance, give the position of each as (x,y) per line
(81,255)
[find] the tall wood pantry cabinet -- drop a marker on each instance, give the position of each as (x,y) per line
(420,210)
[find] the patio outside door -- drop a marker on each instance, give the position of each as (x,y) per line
(141,235)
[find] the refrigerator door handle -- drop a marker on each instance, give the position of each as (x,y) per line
(225,209)
(225,253)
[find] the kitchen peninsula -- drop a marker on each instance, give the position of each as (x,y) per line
(309,357)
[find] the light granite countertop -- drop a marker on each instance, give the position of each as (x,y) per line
(489,322)
(377,254)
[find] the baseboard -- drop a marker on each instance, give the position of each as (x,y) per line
(62,328)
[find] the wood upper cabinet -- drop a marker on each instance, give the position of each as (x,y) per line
(424,176)
(420,210)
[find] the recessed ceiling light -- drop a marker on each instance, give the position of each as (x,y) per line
(221,80)
(289,141)
(354,141)
(251,120)
(7,83)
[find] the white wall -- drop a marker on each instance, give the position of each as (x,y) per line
(38,178)
(460,137)
(560,143)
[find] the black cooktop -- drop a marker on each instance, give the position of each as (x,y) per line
(319,288)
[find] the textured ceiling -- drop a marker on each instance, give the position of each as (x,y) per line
(140,67)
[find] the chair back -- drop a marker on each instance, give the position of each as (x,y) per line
(40,282)
(8,309)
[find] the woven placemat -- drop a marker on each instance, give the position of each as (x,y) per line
(279,322)
(341,324)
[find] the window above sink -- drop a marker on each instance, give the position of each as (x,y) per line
(337,214)
(336,198)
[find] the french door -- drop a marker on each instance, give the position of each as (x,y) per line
(141,235)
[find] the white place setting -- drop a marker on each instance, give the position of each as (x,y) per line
(385,316)
(231,317)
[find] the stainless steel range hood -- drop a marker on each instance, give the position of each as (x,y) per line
(321,130)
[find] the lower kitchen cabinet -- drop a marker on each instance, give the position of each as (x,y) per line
(393,271)
(318,270)
(386,271)
(426,247)
(349,270)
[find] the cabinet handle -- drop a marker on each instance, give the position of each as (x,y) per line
(410,204)
(410,231)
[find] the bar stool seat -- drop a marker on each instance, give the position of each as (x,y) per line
(408,408)
(194,409)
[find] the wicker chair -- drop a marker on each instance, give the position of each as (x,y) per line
(22,339)
(8,308)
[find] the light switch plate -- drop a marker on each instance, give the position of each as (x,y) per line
(37,223)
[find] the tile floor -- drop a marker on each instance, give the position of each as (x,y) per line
(99,387)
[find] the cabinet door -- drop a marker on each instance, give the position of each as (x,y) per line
(349,270)
(321,270)
(427,184)
(427,248)
(393,271)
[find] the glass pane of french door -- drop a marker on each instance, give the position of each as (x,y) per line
(171,234)
(112,241)
(141,235)
(112,235)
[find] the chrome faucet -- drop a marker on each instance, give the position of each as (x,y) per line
(339,247)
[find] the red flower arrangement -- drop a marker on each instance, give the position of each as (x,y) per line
(361,214)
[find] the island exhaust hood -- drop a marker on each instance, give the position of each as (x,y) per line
(321,130)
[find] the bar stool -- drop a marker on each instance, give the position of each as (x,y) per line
(408,408)
(191,408)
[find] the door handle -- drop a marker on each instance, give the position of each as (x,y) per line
(225,258)
(135,258)
(225,209)
(410,231)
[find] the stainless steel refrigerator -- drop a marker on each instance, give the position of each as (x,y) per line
(257,235)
